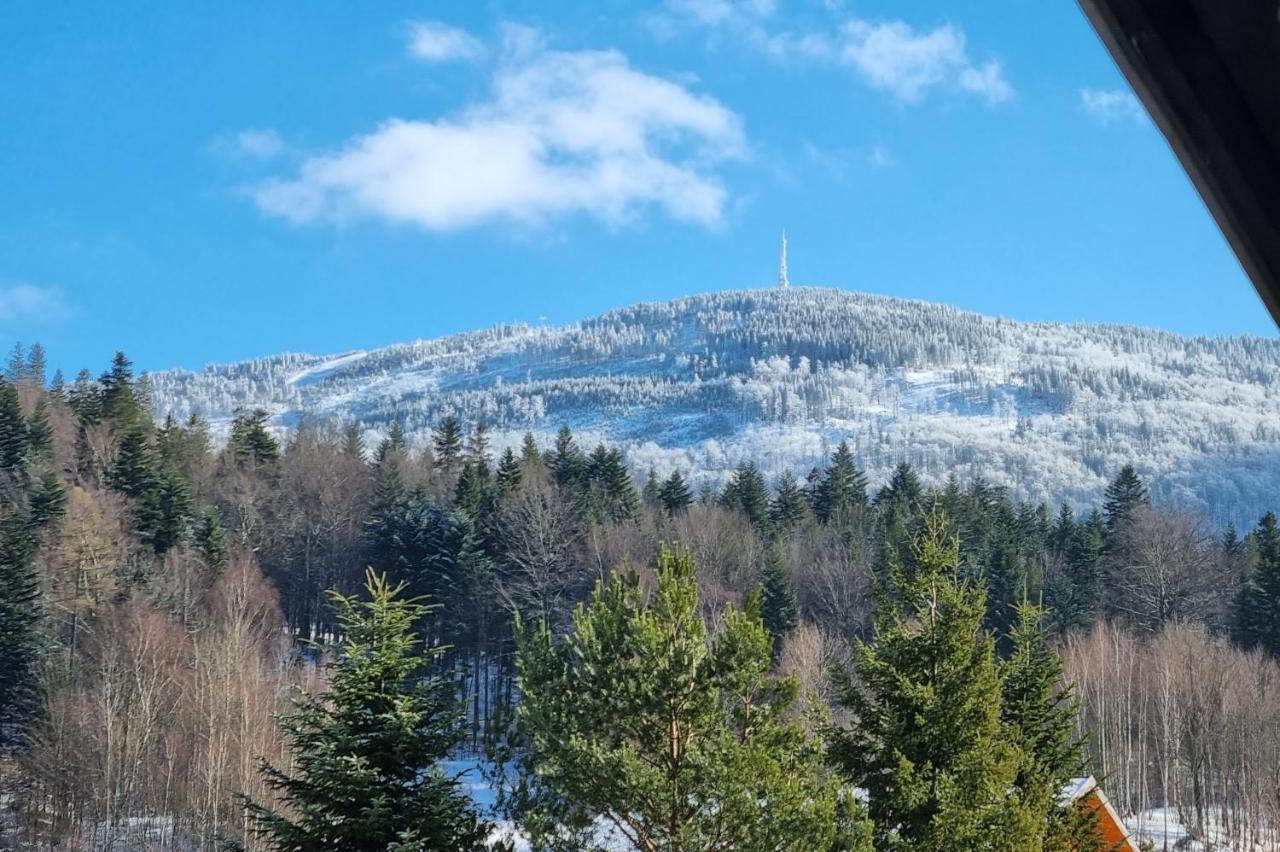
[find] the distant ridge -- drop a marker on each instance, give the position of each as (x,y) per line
(780,375)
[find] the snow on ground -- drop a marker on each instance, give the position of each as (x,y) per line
(1166,830)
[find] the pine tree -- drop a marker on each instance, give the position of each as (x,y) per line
(640,719)
(134,473)
(566,462)
(842,492)
(1125,494)
(617,500)
(1258,604)
(13,428)
(927,742)
(779,610)
(903,491)
(674,495)
(365,772)
(788,509)
(530,455)
(447,443)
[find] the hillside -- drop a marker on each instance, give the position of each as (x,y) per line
(701,383)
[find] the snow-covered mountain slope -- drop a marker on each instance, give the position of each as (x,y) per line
(780,376)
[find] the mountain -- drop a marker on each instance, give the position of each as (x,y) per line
(1050,410)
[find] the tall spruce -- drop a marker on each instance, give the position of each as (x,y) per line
(747,493)
(1258,604)
(926,741)
(365,772)
(674,495)
(788,508)
(21,643)
(779,609)
(447,444)
(1123,495)
(842,492)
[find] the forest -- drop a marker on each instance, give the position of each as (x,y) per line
(289,639)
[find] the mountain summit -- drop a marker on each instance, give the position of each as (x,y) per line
(780,376)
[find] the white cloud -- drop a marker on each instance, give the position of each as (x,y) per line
(20,302)
(435,41)
(260,144)
(890,55)
(562,133)
(908,63)
(1111,105)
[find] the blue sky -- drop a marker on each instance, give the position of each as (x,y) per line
(211,182)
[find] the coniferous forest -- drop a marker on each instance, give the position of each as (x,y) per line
(292,640)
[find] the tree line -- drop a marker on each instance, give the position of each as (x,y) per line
(161,600)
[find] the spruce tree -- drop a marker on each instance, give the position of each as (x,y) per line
(40,432)
(211,540)
(927,742)
(1258,604)
(447,444)
(779,610)
(365,769)
(1041,709)
(20,640)
(842,492)
(510,473)
(16,369)
(13,428)
(748,494)
(649,495)
(37,365)
(639,719)
(674,495)
(788,509)
(251,443)
(1125,494)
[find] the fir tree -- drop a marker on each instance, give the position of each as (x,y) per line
(674,495)
(927,742)
(903,491)
(117,399)
(639,719)
(530,455)
(85,399)
(842,492)
(447,444)
(1125,494)
(365,771)
(788,509)
(617,498)
(134,472)
(1258,604)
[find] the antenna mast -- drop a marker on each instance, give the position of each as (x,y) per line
(783,281)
